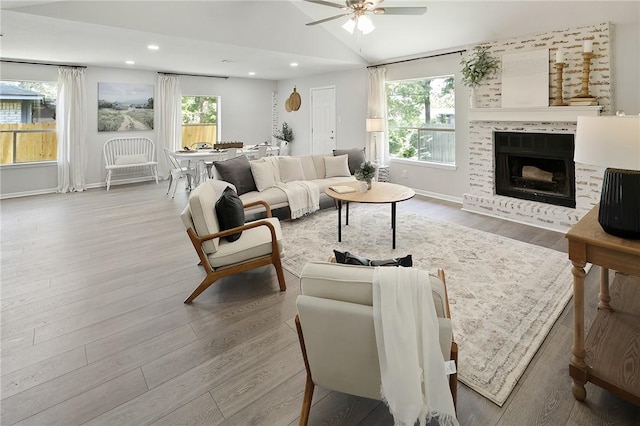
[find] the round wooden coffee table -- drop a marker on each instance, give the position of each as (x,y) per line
(380,193)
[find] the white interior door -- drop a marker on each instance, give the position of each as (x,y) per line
(323,120)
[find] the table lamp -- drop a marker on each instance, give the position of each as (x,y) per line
(614,142)
(375,126)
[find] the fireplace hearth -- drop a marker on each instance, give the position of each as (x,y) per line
(535,166)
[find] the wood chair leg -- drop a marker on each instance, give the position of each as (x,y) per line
(453,379)
(202,287)
(306,402)
(277,263)
(309,386)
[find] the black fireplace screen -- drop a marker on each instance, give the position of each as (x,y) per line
(535,166)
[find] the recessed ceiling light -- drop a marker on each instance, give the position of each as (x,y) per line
(252,73)
(130,62)
(294,64)
(153,47)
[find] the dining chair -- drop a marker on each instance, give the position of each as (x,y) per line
(178,171)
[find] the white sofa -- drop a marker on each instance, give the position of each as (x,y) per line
(314,169)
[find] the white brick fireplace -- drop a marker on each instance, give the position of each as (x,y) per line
(482,199)
(490,118)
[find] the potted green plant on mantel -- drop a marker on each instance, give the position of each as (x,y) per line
(475,68)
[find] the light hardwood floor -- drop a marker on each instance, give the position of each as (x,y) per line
(94,329)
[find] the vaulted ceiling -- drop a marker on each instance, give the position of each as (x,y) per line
(233,38)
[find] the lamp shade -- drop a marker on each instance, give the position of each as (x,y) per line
(375,125)
(612,142)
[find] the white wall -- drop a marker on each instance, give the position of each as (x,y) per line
(245,116)
(351,108)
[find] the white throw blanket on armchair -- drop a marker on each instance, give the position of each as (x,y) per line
(414,382)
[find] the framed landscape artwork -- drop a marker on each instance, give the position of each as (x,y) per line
(125,107)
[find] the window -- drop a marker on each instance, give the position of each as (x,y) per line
(28,121)
(199,120)
(421,119)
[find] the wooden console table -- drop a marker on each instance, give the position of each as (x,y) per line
(609,360)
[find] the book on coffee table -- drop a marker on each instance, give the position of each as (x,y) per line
(342,189)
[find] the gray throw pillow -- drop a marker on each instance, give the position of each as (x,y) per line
(356,157)
(238,172)
(230,213)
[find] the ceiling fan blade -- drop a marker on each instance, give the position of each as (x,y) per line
(328,19)
(327,3)
(400,10)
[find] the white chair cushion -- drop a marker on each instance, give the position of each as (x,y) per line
(336,166)
(254,242)
(122,160)
(352,283)
(202,202)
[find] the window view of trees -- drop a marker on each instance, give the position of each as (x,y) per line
(27,121)
(421,119)
(199,120)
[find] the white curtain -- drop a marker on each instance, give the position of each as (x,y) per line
(169,103)
(377,108)
(71,125)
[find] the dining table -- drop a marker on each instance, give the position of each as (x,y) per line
(201,156)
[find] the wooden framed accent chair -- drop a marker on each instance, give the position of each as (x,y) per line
(224,247)
(336,330)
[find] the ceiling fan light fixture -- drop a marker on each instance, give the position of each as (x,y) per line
(349,26)
(365,24)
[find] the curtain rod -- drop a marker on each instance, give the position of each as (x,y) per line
(194,75)
(41,63)
(417,59)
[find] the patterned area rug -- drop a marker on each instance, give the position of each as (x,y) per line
(505,295)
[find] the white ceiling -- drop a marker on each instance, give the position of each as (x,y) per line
(232,38)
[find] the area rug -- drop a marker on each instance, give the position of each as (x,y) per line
(504,295)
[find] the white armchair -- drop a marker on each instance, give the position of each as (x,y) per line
(337,335)
(260,243)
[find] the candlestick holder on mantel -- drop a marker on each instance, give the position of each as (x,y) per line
(584,98)
(558,101)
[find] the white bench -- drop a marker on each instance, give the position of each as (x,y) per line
(129,153)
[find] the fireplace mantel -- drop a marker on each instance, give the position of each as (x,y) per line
(566,114)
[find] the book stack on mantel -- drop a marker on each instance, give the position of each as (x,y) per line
(588,101)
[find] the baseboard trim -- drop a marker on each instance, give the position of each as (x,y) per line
(439,196)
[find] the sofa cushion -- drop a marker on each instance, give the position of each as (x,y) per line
(262,175)
(238,172)
(336,166)
(356,157)
(230,213)
(348,258)
(290,169)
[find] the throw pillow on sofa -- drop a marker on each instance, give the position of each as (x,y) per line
(290,169)
(356,157)
(353,259)
(336,166)
(262,175)
(238,172)
(230,213)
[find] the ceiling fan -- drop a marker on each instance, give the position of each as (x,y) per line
(358,10)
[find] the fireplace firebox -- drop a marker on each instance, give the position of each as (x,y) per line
(535,166)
